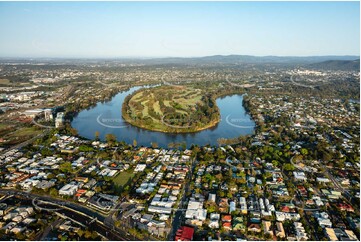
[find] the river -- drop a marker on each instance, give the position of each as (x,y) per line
(106,118)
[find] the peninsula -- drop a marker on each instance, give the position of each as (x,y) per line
(172,109)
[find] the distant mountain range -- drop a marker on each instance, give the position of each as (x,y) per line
(342,65)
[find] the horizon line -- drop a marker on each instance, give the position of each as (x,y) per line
(185,57)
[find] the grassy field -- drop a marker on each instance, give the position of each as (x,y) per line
(31,131)
(178,109)
(21,134)
(4,82)
(4,126)
(122,178)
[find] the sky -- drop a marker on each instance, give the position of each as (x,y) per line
(178,29)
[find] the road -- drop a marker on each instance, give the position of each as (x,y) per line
(43,235)
(338,187)
(77,212)
(110,219)
(311,226)
(334,181)
(167,83)
(301,85)
(232,84)
(179,212)
(40,125)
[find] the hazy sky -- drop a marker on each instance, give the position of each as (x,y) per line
(157,29)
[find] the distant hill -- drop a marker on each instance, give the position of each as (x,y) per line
(341,65)
(241,59)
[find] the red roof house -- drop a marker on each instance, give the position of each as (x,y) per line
(226,218)
(345,207)
(227,225)
(184,233)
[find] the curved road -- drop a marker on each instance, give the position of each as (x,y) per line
(41,126)
(231,83)
(301,85)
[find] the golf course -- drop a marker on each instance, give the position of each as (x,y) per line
(173,109)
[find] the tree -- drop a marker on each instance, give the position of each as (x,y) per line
(51,176)
(46,152)
(53,192)
(211,206)
(267,236)
(154,145)
(288,167)
(97,189)
(66,167)
(87,234)
(221,193)
(110,138)
(195,151)
(20,236)
(80,232)
(326,156)
(96,135)
(304,151)
(275,163)
(85,148)
(94,235)
(229,195)
(71,130)
(183,145)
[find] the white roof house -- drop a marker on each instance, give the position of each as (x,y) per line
(300,175)
(68,189)
(243,204)
(212,197)
(140,167)
(161,210)
(195,211)
(322,180)
(214,223)
(232,206)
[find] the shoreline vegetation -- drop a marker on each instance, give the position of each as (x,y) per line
(171,109)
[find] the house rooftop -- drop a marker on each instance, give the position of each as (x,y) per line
(184,233)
